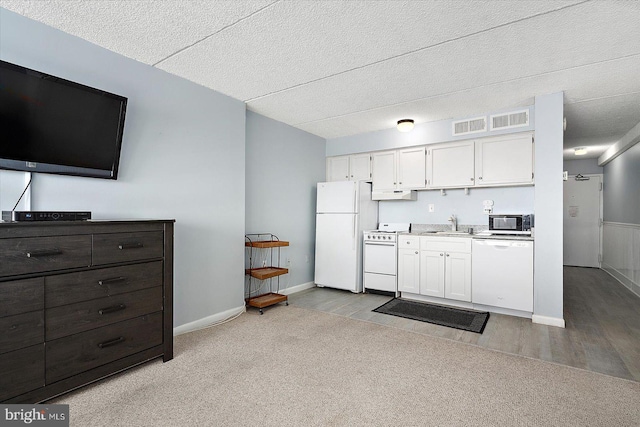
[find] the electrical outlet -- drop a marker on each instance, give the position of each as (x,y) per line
(432,207)
(264,263)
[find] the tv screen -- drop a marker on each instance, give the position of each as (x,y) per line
(52,125)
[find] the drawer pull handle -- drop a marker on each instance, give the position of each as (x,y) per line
(44,252)
(111,342)
(130,245)
(112,309)
(111,281)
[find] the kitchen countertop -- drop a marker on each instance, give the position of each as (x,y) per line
(467,235)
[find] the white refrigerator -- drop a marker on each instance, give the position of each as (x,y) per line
(344,210)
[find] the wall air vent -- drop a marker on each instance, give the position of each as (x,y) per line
(464,127)
(514,119)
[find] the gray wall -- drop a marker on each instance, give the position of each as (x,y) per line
(422,133)
(582,166)
(283,165)
(548,282)
(467,207)
(622,187)
(182,158)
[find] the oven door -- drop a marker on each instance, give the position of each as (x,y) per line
(380,258)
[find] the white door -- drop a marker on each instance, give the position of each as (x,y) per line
(384,171)
(336,251)
(412,168)
(432,273)
(338,168)
(408,271)
(360,167)
(336,197)
(457,282)
(504,160)
(581,220)
(451,165)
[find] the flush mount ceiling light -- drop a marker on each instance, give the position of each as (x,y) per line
(405,125)
(580,151)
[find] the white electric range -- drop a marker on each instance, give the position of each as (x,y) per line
(380,257)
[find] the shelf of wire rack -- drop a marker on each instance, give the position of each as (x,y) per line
(265,272)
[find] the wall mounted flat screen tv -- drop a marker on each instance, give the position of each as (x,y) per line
(52,125)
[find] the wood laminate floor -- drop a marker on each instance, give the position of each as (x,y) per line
(602,318)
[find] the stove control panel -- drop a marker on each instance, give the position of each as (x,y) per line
(376,236)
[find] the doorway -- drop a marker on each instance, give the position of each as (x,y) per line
(582,221)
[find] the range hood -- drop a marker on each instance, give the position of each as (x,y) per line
(394,195)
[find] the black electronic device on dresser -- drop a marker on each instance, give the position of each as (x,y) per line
(81,300)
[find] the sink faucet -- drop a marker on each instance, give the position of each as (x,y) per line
(454,222)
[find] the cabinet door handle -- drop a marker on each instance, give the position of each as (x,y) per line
(130,245)
(111,342)
(441,254)
(447,254)
(44,252)
(111,281)
(471,179)
(480,178)
(112,309)
(416,252)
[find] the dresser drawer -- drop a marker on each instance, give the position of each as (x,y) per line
(78,353)
(70,288)
(39,254)
(21,296)
(21,371)
(21,330)
(122,247)
(83,316)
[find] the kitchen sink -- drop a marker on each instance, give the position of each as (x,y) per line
(443,233)
(451,232)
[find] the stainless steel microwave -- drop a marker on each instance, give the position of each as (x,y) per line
(510,224)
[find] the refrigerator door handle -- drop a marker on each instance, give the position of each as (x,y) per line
(353,241)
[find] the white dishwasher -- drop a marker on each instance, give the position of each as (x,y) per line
(502,273)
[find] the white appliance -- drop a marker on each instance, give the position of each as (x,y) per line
(343,211)
(502,273)
(380,257)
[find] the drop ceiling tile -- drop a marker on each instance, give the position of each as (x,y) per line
(602,117)
(293,43)
(505,54)
(145,30)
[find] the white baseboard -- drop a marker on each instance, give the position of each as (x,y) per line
(208,321)
(545,320)
(297,288)
(624,280)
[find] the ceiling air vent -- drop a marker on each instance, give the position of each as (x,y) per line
(514,119)
(463,127)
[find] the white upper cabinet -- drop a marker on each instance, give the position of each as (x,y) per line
(411,168)
(360,167)
(506,160)
(384,170)
(356,167)
(338,168)
(450,165)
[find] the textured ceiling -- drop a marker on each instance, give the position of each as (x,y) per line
(336,68)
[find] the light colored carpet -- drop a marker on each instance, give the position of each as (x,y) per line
(299,367)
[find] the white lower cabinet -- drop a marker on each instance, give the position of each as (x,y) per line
(457,276)
(432,273)
(408,264)
(442,268)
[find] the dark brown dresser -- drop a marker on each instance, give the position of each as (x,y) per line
(80,301)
